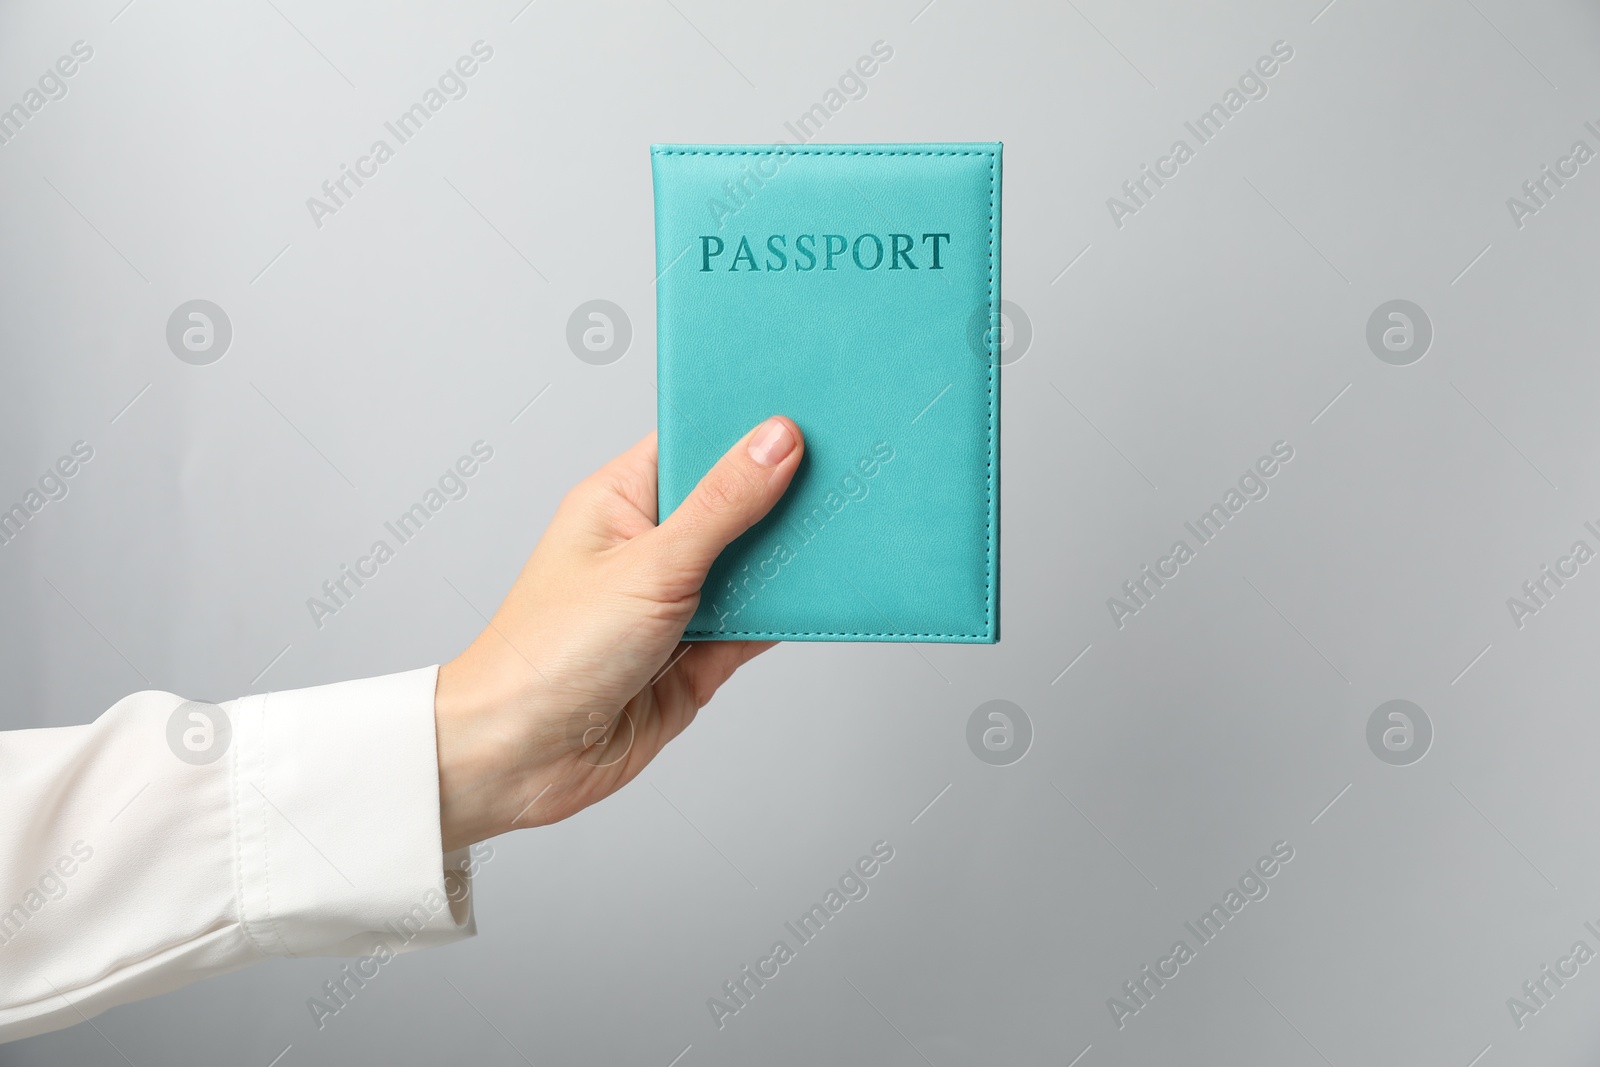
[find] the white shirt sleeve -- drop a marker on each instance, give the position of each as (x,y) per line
(170,840)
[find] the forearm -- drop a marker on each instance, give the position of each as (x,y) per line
(140,853)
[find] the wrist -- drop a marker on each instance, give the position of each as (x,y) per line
(477,769)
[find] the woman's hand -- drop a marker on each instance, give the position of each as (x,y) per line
(579,680)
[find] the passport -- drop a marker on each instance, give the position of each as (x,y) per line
(855,289)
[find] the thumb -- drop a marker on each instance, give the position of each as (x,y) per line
(733,496)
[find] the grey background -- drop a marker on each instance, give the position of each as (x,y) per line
(1226,315)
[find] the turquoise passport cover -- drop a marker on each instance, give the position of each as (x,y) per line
(856,289)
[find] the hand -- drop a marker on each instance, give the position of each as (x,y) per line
(579,680)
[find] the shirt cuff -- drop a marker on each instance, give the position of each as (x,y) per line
(336,797)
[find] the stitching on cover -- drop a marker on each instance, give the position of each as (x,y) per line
(806,152)
(988,466)
(808,633)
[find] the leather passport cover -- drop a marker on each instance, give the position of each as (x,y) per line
(856,289)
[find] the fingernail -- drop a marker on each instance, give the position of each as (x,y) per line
(771,443)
